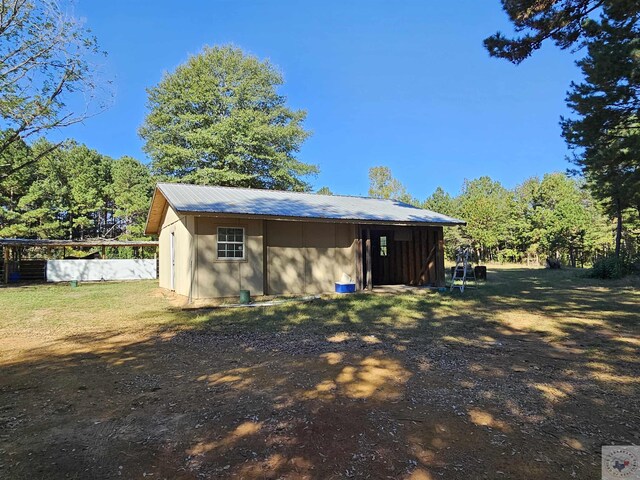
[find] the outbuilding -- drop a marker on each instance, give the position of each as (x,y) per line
(216,241)
(36,260)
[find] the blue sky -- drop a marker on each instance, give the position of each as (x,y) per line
(402,84)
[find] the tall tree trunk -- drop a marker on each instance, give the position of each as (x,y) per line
(618,227)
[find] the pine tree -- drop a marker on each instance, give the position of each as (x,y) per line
(605,132)
(132,189)
(560,21)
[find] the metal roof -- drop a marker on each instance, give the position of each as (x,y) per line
(196,199)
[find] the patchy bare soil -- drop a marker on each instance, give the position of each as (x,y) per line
(500,384)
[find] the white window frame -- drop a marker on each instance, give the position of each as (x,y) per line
(232,242)
(384,249)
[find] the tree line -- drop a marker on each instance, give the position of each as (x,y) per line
(603,129)
(555,216)
(75,192)
(72,192)
(218,119)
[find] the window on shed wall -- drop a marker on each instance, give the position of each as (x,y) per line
(230,243)
(383,246)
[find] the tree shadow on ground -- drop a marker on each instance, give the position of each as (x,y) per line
(492,384)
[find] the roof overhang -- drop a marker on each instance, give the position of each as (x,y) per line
(157,209)
(354,221)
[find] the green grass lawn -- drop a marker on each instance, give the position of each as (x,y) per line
(534,300)
(528,375)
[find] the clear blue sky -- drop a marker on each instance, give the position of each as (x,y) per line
(403,84)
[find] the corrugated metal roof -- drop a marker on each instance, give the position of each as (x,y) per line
(246,201)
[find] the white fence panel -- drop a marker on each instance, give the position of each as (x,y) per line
(95,270)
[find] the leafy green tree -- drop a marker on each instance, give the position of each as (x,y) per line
(568,219)
(324,191)
(441,202)
(45,69)
(382,184)
(597,239)
(132,189)
(523,235)
(218,119)
(485,206)
(555,216)
(561,214)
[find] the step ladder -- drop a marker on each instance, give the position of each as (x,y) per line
(463,271)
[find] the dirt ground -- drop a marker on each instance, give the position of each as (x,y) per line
(454,389)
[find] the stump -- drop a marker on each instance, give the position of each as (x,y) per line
(553,263)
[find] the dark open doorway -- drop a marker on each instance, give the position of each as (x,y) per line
(381,258)
(403,256)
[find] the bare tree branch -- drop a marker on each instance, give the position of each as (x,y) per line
(46,58)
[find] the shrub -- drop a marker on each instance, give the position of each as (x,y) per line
(610,266)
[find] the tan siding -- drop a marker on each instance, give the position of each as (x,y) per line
(189,254)
(320,250)
(285,257)
(308,257)
(172,223)
(346,250)
(302,257)
(224,278)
